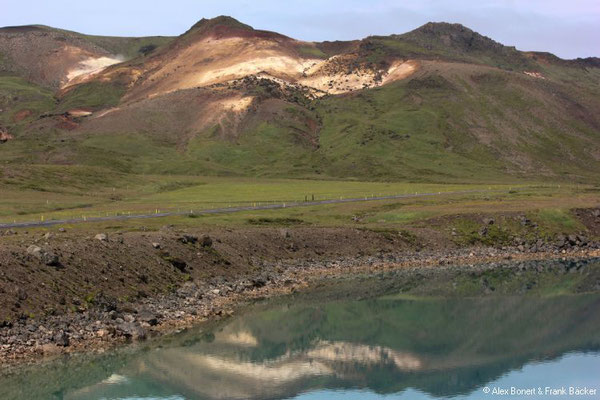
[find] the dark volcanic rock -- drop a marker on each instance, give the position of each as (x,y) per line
(179,264)
(148,318)
(61,339)
(50,259)
(206,241)
(132,330)
(188,239)
(105,303)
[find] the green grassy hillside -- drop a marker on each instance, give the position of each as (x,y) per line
(449,122)
(472,112)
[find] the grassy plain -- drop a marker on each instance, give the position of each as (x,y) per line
(46,193)
(59,192)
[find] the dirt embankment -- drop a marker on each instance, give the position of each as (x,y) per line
(62,292)
(58,272)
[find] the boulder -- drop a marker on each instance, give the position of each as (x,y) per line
(105,303)
(34,250)
(188,239)
(179,264)
(22,294)
(148,317)
(581,240)
(50,259)
(206,241)
(132,330)
(101,237)
(61,339)
(259,282)
(46,257)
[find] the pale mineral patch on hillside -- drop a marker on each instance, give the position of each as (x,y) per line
(212,61)
(88,67)
(79,112)
(335,80)
(107,111)
(534,74)
(399,70)
(236,104)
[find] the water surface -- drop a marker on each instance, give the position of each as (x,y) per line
(388,347)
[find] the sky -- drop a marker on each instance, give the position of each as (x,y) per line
(568,29)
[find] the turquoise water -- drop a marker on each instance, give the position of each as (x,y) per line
(583,370)
(382,348)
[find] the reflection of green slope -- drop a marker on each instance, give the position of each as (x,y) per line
(463,342)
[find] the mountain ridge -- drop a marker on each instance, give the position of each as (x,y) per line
(441,102)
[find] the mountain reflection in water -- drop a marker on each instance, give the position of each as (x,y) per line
(440,347)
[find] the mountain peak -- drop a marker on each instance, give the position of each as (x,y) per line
(222,20)
(442,27)
(452,35)
(225,26)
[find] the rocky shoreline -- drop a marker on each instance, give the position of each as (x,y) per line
(108,324)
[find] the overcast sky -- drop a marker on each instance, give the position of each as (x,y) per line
(567,28)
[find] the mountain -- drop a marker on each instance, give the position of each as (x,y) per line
(440,103)
(54,57)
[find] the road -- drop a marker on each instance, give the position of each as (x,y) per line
(33,224)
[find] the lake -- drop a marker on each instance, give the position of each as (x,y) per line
(393,346)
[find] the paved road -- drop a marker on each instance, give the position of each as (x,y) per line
(31,224)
